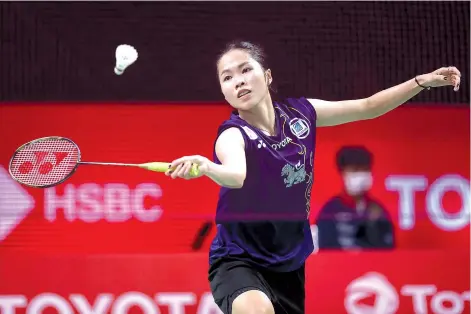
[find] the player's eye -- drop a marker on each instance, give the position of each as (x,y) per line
(246,70)
(226,78)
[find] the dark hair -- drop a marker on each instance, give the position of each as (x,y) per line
(256,52)
(358,156)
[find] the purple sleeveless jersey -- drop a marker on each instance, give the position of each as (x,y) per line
(266,221)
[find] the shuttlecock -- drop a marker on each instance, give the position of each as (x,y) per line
(125,56)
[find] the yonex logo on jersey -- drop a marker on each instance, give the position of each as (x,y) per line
(261,144)
(282,144)
(299,127)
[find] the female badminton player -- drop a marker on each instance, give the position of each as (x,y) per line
(263,161)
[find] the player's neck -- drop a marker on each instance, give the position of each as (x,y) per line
(261,116)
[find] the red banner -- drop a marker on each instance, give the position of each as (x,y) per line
(427,282)
(421,174)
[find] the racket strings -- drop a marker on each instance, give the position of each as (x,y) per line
(44,162)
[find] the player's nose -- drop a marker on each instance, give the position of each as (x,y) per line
(239,83)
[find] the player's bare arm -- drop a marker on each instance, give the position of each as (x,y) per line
(230,150)
(331,113)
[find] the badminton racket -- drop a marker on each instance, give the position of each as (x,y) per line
(51,160)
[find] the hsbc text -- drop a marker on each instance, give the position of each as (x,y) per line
(113,202)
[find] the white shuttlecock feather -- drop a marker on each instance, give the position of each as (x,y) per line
(125,56)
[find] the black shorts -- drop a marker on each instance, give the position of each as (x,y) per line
(229,278)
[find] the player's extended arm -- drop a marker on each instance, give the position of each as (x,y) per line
(339,112)
(230,150)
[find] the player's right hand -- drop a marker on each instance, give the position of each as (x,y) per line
(180,168)
(445,76)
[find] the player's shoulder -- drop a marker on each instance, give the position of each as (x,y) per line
(230,134)
(293,102)
(299,107)
(234,130)
(235,126)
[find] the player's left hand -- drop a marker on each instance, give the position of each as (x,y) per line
(447,76)
(180,168)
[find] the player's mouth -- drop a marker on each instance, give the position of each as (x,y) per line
(243,92)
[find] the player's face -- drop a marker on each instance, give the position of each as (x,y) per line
(243,81)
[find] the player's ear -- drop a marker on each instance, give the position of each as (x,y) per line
(268,77)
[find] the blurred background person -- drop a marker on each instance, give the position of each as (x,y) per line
(353,219)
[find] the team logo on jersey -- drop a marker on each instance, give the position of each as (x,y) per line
(299,127)
(250,133)
(294,174)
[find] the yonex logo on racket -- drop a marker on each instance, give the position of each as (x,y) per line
(42,164)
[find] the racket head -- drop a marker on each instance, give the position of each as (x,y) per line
(44,162)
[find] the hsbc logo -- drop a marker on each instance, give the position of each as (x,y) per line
(15,204)
(426,299)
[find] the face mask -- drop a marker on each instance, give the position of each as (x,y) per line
(357,183)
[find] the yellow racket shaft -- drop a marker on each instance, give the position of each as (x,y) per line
(164,166)
(152,166)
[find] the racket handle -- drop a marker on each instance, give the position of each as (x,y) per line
(164,166)
(155,166)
